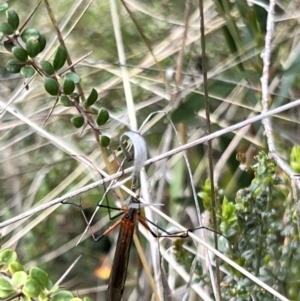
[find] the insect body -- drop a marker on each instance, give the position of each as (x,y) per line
(119,269)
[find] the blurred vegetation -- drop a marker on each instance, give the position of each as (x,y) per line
(85,108)
(262,223)
(17,284)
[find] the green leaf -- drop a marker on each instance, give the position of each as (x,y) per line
(42,40)
(3,6)
(73,76)
(47,67)
(255,187)
(102,117)
(30,33)
(77,121)
(27,71)
(6,288)
(68,86)
(6,28)
(65,101)
(7,256)
(33,47)
(15,266)
(12,18)
(49,288)
(76,299)
(8,45)
(104,141)
(31,288)
(40,276)
(20,53)
(92,98)
(19,278)
(62,296)
(228,211)
(60,58)
(205,194)
(51,86)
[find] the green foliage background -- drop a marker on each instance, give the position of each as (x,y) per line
(256,210)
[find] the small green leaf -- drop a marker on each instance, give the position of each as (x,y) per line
(102,117)
(20,53)
(42,40)
(104,141)
(8,45)
(51,86)
(33,47)
(60,58)
(92,98)
(255,187)
(14,66)
(62,296)
(31,288)
(30,33)
(68,86)
(76,299)
(77,121)
(7,256)
(6,288)
(6,293)
(40,276)
(19,278)
(6,28)
(65,101)
(228,211)
(50,286)
(47,67)
(27,71)
(73,76)
(12,18)
(15,266)
(3,6)
(205,194)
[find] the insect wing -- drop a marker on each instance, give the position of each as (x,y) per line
(119,270)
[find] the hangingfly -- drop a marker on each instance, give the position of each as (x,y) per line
(119,269)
